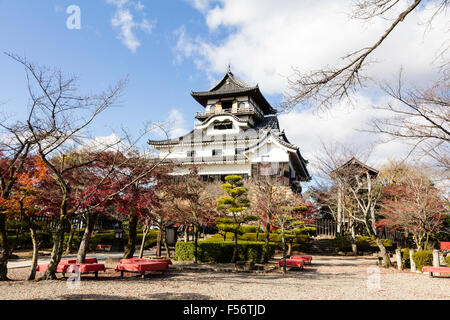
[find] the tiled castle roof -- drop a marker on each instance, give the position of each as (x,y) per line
(229,86)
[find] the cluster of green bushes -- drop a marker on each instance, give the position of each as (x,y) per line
(299,238)
(423,258)
(363,244)
(45,238)
(222,251)
(107,237)
(23,240)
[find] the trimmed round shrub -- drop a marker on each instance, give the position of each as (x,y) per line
(342,244)
(249,229)
(423,258)
(363,244)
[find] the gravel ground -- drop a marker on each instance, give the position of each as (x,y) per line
(329,277)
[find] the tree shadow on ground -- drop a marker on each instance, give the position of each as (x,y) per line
(178,296)
(238,278)
(93,297)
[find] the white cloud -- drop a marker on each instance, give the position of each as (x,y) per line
(342,125)
(176,124)
(107,143)
(124,21)
(267,38)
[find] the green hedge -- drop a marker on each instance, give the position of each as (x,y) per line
(273,237)
(447,259)
(107,237)
(23,241)
(250,229)
(423,258)
(363,244)
(221,251)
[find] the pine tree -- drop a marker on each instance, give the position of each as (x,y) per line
(235,204)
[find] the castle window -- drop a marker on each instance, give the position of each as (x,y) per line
(227,105)
(223,125)
(191,153)
(238,150)
(217,152)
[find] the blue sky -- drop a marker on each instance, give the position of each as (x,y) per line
(157,82)
(168,48)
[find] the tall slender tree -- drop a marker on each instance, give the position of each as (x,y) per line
(235,204)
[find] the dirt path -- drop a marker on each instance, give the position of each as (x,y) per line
(329,277)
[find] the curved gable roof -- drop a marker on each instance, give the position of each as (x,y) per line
(231,86)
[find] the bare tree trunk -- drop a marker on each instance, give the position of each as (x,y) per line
(353,241)
(186,234)
(132,234)
(383,252)
(235,250)
(380,244)
(426,241)
(289,249)
(166,246)
(144,236)
(4,254)
(34,259)
(56,254)
(70,240)
(84,244)
(266,244)
(339,209)
(195,243)
(283,240)
(58,242)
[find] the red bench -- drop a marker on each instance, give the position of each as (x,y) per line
(68,266)
(445,245)
(82,268)
(74,261)
(103,247)
(432,270)
(141,267)
(292,263)
(133,260)
(307,259)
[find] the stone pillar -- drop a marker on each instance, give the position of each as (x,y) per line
(398,256)
(442,259)
(436,262)
(411,261)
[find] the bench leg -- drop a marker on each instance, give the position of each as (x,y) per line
(96,275)
(121,273)
(143,275)
(431,274)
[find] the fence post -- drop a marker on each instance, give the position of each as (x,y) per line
(411,260)
(436,262)
(398,255)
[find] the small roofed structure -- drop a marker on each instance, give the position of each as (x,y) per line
(351,175)
(353,168)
